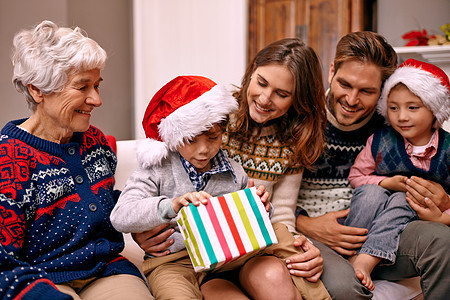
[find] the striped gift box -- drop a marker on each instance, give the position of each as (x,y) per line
(224,229)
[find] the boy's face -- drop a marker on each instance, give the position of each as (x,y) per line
(202,148)
(409,116)
(354,91)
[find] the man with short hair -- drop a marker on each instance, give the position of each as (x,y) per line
(363,61)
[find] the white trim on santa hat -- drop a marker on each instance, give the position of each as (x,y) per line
(187,122)
(197,116)
(150,152)
(434,95)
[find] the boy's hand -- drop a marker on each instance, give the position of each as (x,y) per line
(261,192)
(394,183)
(195,198)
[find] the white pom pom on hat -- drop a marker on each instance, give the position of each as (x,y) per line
(426,81)
(182,109)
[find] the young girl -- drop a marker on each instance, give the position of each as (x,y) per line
(415,102)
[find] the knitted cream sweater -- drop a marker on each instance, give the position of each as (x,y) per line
(266,159)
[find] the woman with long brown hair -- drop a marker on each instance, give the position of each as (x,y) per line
(276,133)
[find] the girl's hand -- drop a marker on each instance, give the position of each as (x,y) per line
(429,213)
(261,192)
(417,189)
(394,183)
(195,198)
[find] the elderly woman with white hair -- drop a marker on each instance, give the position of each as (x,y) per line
(56,182)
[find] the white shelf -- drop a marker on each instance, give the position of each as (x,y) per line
(432,54)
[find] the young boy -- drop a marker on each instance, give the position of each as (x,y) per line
(182,163)
(415,101)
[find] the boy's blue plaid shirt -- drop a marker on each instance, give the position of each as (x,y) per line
(219,164)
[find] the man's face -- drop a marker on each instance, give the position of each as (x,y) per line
(354,91)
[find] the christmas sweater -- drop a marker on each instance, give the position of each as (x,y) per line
(327,188)
(55,201)
(391,158)
(267,160)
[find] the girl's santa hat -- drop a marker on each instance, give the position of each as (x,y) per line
(424,80)
(184,108)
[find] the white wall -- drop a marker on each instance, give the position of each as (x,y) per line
(397,17)
(179,37)
(106,21)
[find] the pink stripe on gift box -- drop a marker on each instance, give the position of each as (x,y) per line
(232,225)
(219,232)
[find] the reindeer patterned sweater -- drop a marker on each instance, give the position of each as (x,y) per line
(55,201)
(327,188)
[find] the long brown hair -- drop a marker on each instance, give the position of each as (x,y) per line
(305,120)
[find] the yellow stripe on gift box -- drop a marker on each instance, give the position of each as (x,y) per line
(243,224)
(247,215)
(190,241)
(262,225)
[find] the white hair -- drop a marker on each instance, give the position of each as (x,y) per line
(47,55)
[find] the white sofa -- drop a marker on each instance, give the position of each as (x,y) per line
(126,158)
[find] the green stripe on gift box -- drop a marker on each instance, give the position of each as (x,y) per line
(204,235)
(258,216)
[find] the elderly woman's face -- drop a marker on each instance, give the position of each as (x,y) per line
(70,110)
(270,92)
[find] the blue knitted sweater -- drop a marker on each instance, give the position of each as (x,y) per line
(55,202)
(389,153)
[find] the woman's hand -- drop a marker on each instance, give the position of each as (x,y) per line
(417,189)
(261,192)
(153,241)
(308,264)
(195,198)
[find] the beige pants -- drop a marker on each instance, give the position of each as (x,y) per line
(173,277)
(116,287)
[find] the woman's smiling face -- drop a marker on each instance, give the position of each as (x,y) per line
(270,93)
(69,111)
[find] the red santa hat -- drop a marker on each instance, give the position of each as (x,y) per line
(182,109)
(424,80)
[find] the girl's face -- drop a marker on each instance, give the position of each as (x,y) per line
(270,93)
(409,116)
